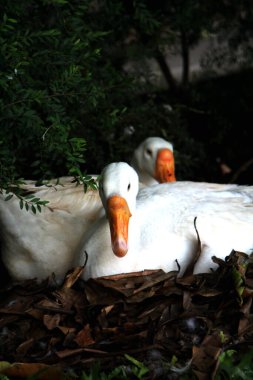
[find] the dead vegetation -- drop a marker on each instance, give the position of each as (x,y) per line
(165,322)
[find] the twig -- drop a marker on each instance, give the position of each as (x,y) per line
(241,169)
(189,269)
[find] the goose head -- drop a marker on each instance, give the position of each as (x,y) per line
(118,188)
(153,159)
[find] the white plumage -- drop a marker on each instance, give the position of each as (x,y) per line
(37,245)
(153,160)
(161,224)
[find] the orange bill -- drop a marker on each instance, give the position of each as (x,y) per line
(118,215)
(165,166)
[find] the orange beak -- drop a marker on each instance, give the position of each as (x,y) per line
(165,166)
(118,215)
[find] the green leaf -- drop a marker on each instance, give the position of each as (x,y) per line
(142,369)
(21,204)
(29,196)
(35,200)
(8,197)
(238,282)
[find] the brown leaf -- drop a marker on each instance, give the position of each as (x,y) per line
(72,277)
(41,371)
(205,357)
(67,330)
(80,322)
(25,346)
(68,352)
(51,321)
(84,337)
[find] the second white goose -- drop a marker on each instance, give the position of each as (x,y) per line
(153,160)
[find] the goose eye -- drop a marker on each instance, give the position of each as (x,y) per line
(128,187)
(149,152)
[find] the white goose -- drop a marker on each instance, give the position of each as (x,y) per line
(155,228)
(37,245)
(153,160)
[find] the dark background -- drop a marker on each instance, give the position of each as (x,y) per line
(69,98)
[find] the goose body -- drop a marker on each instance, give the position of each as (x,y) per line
(154,227)
(36,245)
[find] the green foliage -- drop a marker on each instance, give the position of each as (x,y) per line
(147,20)
(26,201)
(53,80)
(122,372)
(67,99)
(3,377)
(138,368)
(63,85)
(234,366)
